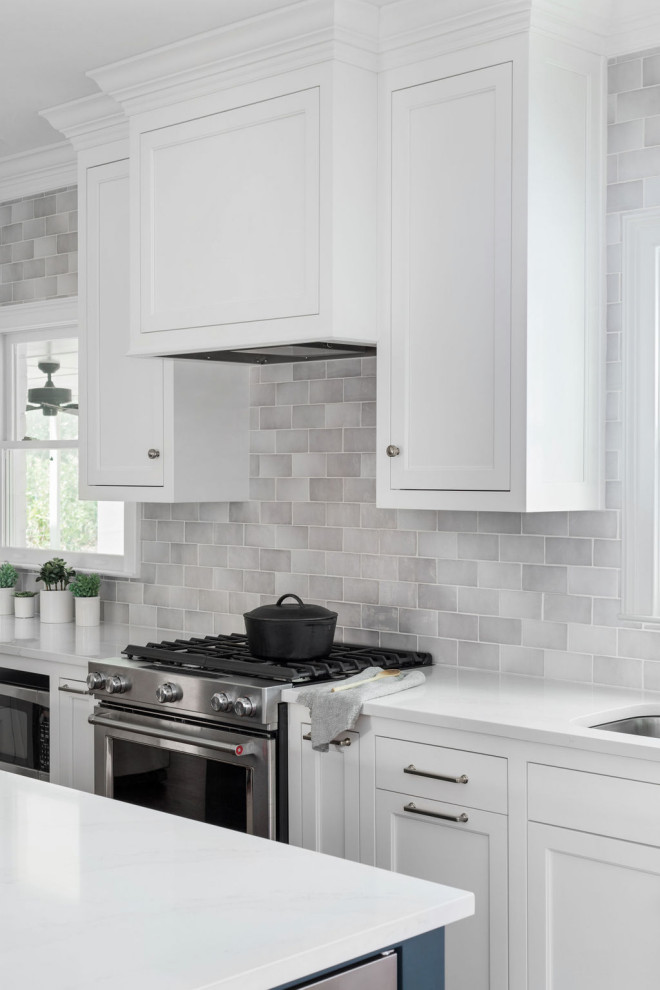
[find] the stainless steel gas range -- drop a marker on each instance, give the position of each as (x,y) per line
(196,727)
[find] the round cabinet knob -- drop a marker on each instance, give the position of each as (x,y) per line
(392,450)
(168,692)
(220,703)
(152,453)
(96,682)
(116,685)
(244,707)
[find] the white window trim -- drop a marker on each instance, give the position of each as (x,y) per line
(62,315)
(641,408)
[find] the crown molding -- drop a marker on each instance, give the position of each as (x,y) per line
(49,313)
(89,122)
(635,27)
(37,171)
(300,34)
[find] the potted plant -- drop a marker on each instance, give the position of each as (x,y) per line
(24,604)
(56,599)
(8,579)
(85,590)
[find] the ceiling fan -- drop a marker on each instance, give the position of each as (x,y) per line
(49,398)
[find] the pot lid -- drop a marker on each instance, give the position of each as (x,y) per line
(292,612)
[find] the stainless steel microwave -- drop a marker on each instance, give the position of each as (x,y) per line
(24,723)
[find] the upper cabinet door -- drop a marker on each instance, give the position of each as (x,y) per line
(123,415)
(229,216)
(451,283)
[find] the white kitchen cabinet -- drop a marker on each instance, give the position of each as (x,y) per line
(254,215)
(593,881)
(594,911)
(151,430)
(324,793)
(74,738)
(461,848)
(489,363)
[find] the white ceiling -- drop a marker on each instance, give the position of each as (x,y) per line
(47,46)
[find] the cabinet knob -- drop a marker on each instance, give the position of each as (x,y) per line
(392,450)
(152,453)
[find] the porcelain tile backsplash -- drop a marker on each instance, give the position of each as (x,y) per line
(39,247)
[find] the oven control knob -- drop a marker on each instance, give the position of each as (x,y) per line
(116,685)
(243,706)
(220,703)
(96,682)
(168,692)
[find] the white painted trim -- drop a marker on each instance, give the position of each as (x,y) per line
(38,315)
(89,122)
(37,171)
(641,405)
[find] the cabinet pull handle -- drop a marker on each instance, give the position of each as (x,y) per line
(463,779)
(335,742)
(392,450)
(434,814)
(72,690)
(152,453)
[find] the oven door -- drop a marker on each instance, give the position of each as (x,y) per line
(201,771)
(24,730)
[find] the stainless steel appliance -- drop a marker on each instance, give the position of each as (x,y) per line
(196,728)
(24,723)
(374,974)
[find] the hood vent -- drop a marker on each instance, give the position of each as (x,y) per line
(284,353)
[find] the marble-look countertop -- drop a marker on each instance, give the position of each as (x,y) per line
(95,893)
(518,707)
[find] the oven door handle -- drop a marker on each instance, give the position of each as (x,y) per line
(236,749)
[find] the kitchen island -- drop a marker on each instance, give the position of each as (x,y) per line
(95,893)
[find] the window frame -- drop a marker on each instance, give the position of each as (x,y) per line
(641,410)
(55,318)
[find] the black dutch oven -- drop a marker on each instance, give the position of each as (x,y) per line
(290,632)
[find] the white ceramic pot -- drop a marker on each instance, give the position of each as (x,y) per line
(56,606)
(88,611)
(24,607)
(6,601)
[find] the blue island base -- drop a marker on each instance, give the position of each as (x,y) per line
(421,964)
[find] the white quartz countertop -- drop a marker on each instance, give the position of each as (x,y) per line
(95,893)
(531,708)
(68,643)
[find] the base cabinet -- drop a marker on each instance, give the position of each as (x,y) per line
(75,736)
(472,855)
(593,911)
(324,795)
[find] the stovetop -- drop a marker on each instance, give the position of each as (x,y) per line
(216,678)
(230,655)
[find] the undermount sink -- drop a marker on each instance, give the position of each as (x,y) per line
(641,725)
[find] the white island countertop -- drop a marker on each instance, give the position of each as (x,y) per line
(99,894)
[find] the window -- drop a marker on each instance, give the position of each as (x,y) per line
(41,514)
(641,355)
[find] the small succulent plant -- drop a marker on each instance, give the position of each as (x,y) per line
(8,575)
(24,594)
(85,586)
(55,574)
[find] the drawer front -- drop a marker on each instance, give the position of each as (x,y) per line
(592,802)
(442,774)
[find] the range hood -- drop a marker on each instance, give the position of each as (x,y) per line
(284,353)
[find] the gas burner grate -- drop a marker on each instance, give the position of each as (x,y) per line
(230,655)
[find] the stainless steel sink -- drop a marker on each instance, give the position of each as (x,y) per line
(641,725)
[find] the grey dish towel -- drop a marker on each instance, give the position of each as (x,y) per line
(333,713)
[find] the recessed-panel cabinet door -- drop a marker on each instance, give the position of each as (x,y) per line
(451,282)
(469,854)
(75,736)
(123,395)
(330,788)
(229,216)
(594,911)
